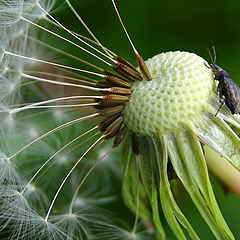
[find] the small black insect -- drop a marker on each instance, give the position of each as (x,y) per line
(229,92)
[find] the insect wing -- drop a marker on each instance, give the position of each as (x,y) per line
(233,95)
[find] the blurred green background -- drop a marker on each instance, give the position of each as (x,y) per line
(157,26)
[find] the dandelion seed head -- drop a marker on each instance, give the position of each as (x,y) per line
(115,232)
(8,172)
(10,12)
(32,9)
(25,222)
(178,92)
(75,225)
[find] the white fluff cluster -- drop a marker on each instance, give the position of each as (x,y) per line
(31,171)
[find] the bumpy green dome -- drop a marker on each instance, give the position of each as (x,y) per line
(179,90)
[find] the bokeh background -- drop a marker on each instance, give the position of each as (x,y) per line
(156,26)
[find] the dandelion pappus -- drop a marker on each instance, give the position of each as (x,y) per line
(229,91)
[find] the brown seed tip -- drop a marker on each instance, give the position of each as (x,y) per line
(143,67)
(117,90)
(104,124)
(112,99)
(115,79)
(119,136)
(125,69)
(113,128)
(110,111)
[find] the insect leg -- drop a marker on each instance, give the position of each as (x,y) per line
(222,101)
